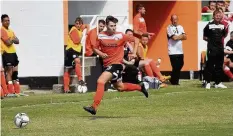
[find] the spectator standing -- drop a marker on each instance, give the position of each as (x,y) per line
(139,26)
(209,9)
(9,56)
(175,35)
(213,34)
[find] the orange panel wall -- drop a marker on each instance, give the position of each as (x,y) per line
(65,16)
(158,18)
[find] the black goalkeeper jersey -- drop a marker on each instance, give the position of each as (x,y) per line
(215,34)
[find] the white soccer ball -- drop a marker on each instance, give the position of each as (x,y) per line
(84,89)
(81,89)
(21,120)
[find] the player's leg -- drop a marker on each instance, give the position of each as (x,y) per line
(66,79)
(15,78)
(9,72)
(3,82)
(129,87)
(226,69)
(218,68)
(10,60)
(156,70)
(2,93)
(102,80)
(230,64)
(209,69)
(78,71)
(177,63)
(67,69)
(120,86)
(147,68)
(228,72)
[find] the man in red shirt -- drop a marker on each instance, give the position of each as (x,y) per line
(209,9)
(220,4)
(110,46)
(91,38)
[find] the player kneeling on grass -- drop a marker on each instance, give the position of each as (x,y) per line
(110,46)
(73,51)
(228,64)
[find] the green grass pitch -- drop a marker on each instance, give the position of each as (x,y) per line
(187,110)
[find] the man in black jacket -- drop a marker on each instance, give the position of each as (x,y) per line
(214,32)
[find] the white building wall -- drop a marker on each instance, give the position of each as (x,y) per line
(77,8)
(39,27)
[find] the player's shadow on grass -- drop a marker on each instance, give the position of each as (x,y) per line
(102,117)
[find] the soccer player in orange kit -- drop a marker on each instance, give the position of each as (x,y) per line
(139,24)
(110,46)
(91,38)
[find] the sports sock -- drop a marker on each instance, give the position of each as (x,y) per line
(3,83)
(148,70)
(66,78)
(155,70)
(17,87)
(227,71)
(78,71)
(2,93)
(10,87)
(131,87)
(98,95)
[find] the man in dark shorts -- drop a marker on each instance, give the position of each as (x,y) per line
(110,46)
(9,56)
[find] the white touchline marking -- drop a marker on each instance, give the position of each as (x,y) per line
(115,98)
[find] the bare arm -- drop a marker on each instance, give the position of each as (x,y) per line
(87,27)
(15,40)
(184,37)
(129,62)
(8,42)
(100,53)
(228,52)
(4,37)
(178,37)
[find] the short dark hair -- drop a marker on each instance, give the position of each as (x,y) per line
(211,1)
(128,30)
(111,19)
(216,12)
(220,1)
(101,21)
(145,35)
(4,16)
(79,19)
(139,6)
